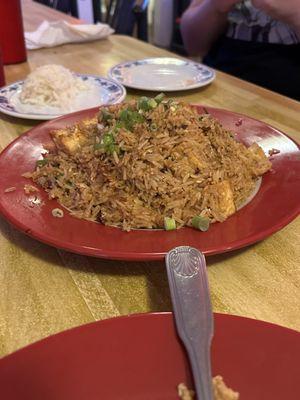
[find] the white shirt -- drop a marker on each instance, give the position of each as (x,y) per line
(248,23)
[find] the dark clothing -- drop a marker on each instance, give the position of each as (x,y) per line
(273,66)
(66,6)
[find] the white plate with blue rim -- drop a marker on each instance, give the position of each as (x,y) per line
(162,74)
(104,92)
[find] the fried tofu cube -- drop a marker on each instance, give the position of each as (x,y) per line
(71,139)
(225,199)
(259,161)
(221,200)
(66,141)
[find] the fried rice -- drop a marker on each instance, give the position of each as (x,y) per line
(145,162)
(220,391)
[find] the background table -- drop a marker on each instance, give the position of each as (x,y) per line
(44,290)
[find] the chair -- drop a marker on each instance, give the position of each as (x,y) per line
(179,6)
(125,15)
(66,6)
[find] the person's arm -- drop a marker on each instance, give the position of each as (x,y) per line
(203,22)
(287,11)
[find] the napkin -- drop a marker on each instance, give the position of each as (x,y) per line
(50,34)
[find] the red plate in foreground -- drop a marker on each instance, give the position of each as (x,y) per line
(140,357)
(275,205)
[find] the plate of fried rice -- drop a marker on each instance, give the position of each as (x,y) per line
(141,357)
(133,180)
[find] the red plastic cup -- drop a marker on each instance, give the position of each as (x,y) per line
(12,40)
(2,78)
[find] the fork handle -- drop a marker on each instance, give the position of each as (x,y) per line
(186,268)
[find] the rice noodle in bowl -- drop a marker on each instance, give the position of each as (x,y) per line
(150,163)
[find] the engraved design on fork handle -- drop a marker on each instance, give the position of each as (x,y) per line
(187,277)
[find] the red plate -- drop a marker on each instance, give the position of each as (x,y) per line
(275,205)
(140,357)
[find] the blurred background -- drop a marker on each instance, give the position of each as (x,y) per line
(154,21)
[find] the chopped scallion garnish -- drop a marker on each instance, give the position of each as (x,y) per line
(152,103)
(124,114)
(107,139)
(153,127)
(128,118)
(143,103)
(159,98)
(112,148)
(201,223)
(137,117)
(41,163)
(146,104)
(106,115)
(170,223)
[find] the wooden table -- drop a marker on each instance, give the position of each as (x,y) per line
(44,290)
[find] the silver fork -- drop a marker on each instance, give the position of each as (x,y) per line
(186,268)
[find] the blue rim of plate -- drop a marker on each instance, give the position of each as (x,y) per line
(117,94)
(206,74)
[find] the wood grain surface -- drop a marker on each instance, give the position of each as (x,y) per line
(44,290)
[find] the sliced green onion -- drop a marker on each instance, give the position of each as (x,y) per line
(117,149)
(124,114)
(41,163)
(137,117)
(143,103)
(106,115)
(118,125)
(107,139)
(128,118)
(129,125)
(153,127)
(107,144)
(170,224)
(152,103)
(159,98)
(110,149)
(201,223)
(146,104)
